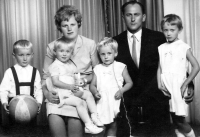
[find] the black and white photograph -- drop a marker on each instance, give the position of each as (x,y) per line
(99,68)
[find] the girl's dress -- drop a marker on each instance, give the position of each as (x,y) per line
(66,75)
(174,66)
(109,79)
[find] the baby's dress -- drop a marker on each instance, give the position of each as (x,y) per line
(107,86)
(66,75)
(174,66)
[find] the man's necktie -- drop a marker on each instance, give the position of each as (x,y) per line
(134,53)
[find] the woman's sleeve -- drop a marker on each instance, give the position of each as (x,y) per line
(48,60)
(94,55)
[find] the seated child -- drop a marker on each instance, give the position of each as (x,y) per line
(20,74)
(62,80)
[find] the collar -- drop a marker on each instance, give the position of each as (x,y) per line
(78,42)
(61,63)
(17,66)
(138,35)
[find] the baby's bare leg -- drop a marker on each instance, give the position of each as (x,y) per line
(88,97)
(79,104)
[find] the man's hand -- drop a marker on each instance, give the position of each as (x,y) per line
(5,106)
(190,94)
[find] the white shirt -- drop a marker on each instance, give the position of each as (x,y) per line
(138,36)
(7,87)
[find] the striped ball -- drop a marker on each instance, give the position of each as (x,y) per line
(23,108)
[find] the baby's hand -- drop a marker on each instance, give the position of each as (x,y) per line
(74,88)
(39,107)
(97,96)
(118,95)
(5,106)
(164,90)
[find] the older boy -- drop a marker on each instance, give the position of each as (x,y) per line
(21,78)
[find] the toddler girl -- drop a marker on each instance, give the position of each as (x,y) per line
(107,84)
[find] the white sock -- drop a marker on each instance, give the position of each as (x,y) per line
(178,133)
(88,123)
(190,134)
(111,136)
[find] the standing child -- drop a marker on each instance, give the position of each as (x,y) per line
(22,78)
(62,80)
(107,84)
(171,75)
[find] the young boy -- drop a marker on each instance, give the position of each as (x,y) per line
(22,78)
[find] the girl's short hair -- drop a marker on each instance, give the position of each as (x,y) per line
(64,13)
(21,44)
(62,41)
(106,41)
(173,20)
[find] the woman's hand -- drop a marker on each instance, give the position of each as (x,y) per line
(97,96)
(118,95)
(51,96)
(82,83)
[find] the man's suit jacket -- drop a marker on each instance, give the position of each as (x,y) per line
(145,77)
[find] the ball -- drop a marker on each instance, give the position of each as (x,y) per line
(23,108)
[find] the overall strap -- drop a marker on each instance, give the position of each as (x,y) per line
(16,80)
(17,84)
(33,80)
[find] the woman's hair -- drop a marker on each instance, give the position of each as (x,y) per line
(173,20)
(64,13)
(22,44)
(62,41)
(106,41)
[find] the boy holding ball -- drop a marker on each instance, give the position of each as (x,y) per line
(21,78)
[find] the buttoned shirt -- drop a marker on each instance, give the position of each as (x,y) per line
(138,43)
(24,74)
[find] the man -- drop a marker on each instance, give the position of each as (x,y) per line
(142,63)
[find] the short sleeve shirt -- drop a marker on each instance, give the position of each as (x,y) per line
(85,54)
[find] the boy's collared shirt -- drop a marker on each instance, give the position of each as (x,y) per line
(7,87)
